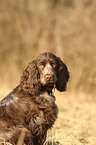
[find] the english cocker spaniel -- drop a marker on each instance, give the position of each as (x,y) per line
(31,105)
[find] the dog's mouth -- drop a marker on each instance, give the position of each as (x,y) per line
(50,83)
(48,86)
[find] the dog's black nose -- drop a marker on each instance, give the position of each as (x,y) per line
(49,77)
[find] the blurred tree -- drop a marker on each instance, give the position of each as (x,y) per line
(64,27)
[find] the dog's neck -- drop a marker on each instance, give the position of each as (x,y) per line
(49,89)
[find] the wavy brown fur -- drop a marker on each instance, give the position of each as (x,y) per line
(31,105)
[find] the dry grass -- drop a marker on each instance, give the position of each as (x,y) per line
(76,123)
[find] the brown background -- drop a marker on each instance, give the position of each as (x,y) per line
(64,27)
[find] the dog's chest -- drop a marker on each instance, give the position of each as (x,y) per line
(43,112)
(47,108)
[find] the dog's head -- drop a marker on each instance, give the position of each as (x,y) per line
(46,70)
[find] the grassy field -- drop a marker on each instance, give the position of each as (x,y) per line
(76,123)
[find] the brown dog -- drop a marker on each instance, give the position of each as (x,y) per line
(31,105)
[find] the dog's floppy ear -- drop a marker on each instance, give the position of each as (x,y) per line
(30,79)
(62,76)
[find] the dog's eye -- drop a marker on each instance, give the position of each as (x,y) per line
(41,66)
(54,65)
